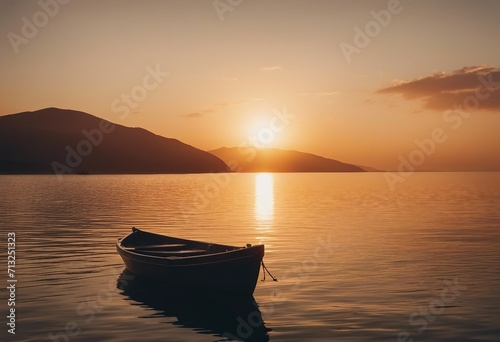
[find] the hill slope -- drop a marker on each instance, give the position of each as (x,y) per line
(61,141)
(248,159)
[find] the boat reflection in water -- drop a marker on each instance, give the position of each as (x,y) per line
(235,317)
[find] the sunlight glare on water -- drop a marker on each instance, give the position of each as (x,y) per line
(264,196)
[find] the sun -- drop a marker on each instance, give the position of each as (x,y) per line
(261,132)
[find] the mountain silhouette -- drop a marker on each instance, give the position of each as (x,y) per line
(249,159)
(62,141)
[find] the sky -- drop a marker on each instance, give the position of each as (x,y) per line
(388,84)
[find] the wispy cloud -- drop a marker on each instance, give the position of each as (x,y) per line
(218,106)
(193,115)
(330,93)
(271,68)
(323,93)
(441,91)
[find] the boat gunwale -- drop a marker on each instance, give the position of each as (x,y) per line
(235,249)
(161,261)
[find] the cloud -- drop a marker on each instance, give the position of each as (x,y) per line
(271,68)
(328,93)
(217,106)
(194,115)
(441,91)
(325,93)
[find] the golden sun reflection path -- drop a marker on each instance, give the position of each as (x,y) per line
(264,198)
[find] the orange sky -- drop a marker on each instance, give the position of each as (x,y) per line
(365,82)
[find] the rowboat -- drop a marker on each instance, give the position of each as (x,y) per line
(189,264)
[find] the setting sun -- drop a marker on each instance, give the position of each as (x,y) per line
(263,131)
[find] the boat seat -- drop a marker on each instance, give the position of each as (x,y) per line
(180,253)
(154,247)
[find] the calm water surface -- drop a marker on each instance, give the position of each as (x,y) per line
(355,260)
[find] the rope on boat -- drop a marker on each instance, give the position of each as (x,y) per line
(264,268)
